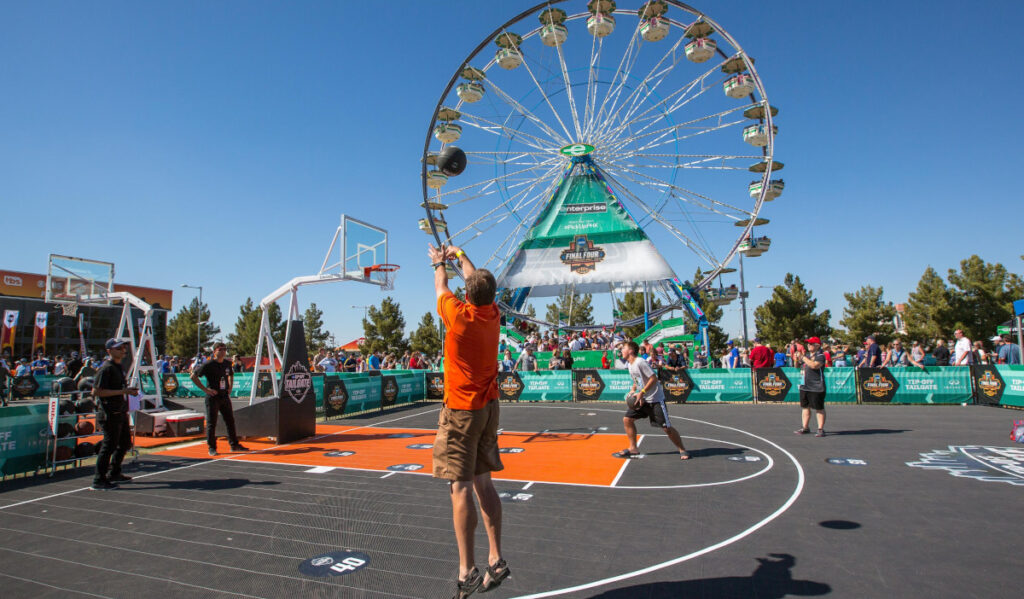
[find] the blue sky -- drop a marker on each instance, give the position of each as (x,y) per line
(217,143)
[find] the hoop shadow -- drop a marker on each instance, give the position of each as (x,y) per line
(772,579)
(873,431)
(221,484)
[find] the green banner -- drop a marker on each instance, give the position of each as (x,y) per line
(23,432)
(840,385)
(1000,385)
(721,384)
(552,385)
(932,384)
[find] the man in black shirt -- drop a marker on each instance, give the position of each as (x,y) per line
(219,380)
(941,353)
(112,391)
(812,391)
(74,365)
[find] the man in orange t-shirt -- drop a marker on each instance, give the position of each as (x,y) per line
(466,446)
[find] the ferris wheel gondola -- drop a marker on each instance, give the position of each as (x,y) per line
(596,146)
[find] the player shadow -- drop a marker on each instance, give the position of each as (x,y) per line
(218,484)
(562,434)
(872,431)
(703,452)
(772,579)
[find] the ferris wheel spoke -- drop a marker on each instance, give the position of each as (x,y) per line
(588,108)
(483,184)
(568,92)
(505,204)
(510,243)
(652,183)
(679,98)
(634,99)
(495,128)
(618,76)
(555,138)
(547,100)
(695,247)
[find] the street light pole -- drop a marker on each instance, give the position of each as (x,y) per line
(365,308)
(199,317)
(743,304)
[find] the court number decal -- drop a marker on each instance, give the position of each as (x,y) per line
(336,563)
(405,467)
(847,462)
(744,458)
(511,450)
(420,446)
(506,496)
(339,454)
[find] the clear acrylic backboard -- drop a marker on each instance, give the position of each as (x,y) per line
(69,279)
(363,245)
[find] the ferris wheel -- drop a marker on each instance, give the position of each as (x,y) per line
(608,149)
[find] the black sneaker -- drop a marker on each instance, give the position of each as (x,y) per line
(103,485)
(801,431)
(820,433)
(213,451)
(119,478)
(239,447)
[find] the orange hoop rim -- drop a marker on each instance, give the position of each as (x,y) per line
(380,268)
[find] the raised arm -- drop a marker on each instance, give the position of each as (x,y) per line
(437,258)
(456,253)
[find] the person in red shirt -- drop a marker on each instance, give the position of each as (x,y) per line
(761,356)
(466,445)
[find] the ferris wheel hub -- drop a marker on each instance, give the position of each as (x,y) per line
(576,150)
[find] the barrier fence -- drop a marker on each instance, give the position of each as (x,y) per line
(24,427)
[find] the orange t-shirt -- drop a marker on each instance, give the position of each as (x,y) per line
(470,352)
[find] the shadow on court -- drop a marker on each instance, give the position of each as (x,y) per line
(703,452)
(772,579)
(223,484)
(872,431)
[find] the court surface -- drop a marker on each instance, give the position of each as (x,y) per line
(758,512)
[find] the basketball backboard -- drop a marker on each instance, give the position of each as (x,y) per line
(363,245)
(68,279)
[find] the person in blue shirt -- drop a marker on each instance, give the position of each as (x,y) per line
(23,368)
(41,365)
(1008,352)
(734,355)
(374,361)
(780,358)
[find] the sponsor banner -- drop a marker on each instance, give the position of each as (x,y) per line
(81,334)
(876,385)
(434,385)
(364,392)
(170,384)
(840,385)
(335,397)
(23,433)
(676,384)
(296,417)
(721,384)
(7,338)
(510,386)
(912,385)
(617,384)
(988,385)
(39,332)
(586,385)
(1013,390)
(388,391)
(27,386)
(772,385)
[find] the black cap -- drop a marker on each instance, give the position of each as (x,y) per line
(115,342)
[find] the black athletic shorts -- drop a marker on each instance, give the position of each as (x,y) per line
(814,400)
(657,412)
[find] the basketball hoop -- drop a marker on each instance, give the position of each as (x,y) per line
(68,303)
(387,276)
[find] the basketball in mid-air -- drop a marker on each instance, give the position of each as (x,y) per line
(451,161)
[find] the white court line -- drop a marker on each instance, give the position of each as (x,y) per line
(4,507)
(737,537)
(528,485)
(625,463)
(319,469)
(390,474)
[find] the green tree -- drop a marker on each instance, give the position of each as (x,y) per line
(247,328)
(929,310)
(790,313)
(384,328)
(426,338)
(632,306)
(866,313)
(182,330)
(313,327)
(982,296)
(571,308)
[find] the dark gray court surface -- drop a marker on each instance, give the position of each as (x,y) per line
(788,524)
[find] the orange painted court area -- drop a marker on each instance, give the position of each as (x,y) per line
(572,457)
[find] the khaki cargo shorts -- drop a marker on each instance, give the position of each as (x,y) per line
(466,445)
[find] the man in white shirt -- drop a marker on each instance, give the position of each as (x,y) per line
(962,349)
(329,363)
(652,406)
